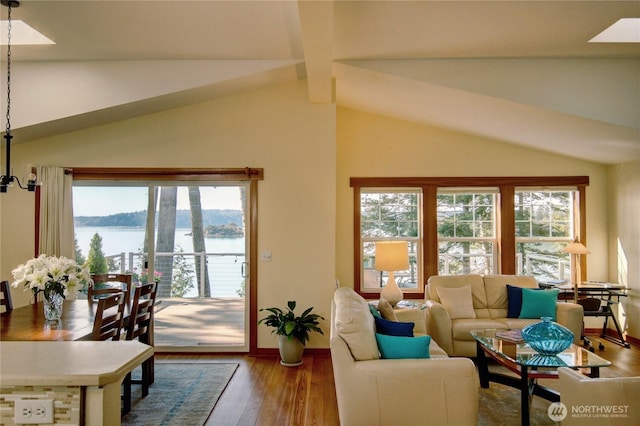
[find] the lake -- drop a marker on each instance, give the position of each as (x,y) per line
(225,269)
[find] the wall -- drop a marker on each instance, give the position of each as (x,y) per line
(66,400)
(274,128)
(308,152)
(624,240)
(373,145)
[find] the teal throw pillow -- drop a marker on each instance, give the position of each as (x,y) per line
(374,311)
(394,328)
(539,303)
(397,347)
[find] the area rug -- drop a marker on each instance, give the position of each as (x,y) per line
(182,394)
(500,404)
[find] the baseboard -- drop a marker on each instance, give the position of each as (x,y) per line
(612,333)
(307,352)
(632,341)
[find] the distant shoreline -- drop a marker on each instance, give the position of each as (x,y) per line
(210,217)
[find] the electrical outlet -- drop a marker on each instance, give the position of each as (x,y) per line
(33,411)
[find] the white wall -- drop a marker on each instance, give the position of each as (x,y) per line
(624,240)
(275,128)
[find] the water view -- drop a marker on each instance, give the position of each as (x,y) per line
(224,268)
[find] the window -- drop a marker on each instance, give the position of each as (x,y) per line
(390,215)
(466,232)
(544,222)
(461,225)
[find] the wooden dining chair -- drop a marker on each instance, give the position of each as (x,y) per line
(109,318)
(140,326)
(5,292)
(110,284)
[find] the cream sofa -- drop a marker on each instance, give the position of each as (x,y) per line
(601,401)
(395,392)
(489,297)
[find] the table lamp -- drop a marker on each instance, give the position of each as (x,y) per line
(575,249)
(392,256)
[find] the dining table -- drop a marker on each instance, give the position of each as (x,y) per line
(27,323)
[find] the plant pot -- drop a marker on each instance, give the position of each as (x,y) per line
(291,350)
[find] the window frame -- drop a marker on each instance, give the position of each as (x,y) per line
(505,217)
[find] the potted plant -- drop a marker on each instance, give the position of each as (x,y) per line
(293,331)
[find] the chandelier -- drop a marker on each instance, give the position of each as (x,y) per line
(7,179)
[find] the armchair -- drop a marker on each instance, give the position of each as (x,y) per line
(395,392)
(600,401)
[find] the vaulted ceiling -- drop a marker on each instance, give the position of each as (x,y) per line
(521,72)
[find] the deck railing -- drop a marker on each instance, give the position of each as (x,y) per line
(226,271)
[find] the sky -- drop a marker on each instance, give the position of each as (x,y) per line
(105,201)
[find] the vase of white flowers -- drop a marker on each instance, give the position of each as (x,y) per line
(56,277)
(53,304)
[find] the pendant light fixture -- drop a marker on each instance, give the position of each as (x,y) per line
(7,179)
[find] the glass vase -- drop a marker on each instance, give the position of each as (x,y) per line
(547,337)
(53,305)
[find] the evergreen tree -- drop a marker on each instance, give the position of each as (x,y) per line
(97,260)
(79,256)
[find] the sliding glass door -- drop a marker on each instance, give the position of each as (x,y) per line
(191,239)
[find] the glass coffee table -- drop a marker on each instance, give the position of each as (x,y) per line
(529,366)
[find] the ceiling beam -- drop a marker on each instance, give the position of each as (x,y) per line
(316,24)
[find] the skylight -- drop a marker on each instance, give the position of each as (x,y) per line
(21,33)
(626,30)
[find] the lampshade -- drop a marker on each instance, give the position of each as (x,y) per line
(392,256)
(576,247)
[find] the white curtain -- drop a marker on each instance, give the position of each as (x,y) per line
(56,212)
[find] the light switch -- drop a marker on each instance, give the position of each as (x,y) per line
(266,256)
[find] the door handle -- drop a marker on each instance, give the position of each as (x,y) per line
(243,269)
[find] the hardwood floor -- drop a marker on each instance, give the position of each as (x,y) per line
(262,392)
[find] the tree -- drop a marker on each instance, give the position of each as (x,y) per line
(545,216)
(197,232)
(182,275)
(97,260)
(145,247)
(166,237)
(467,218)
(79,256)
